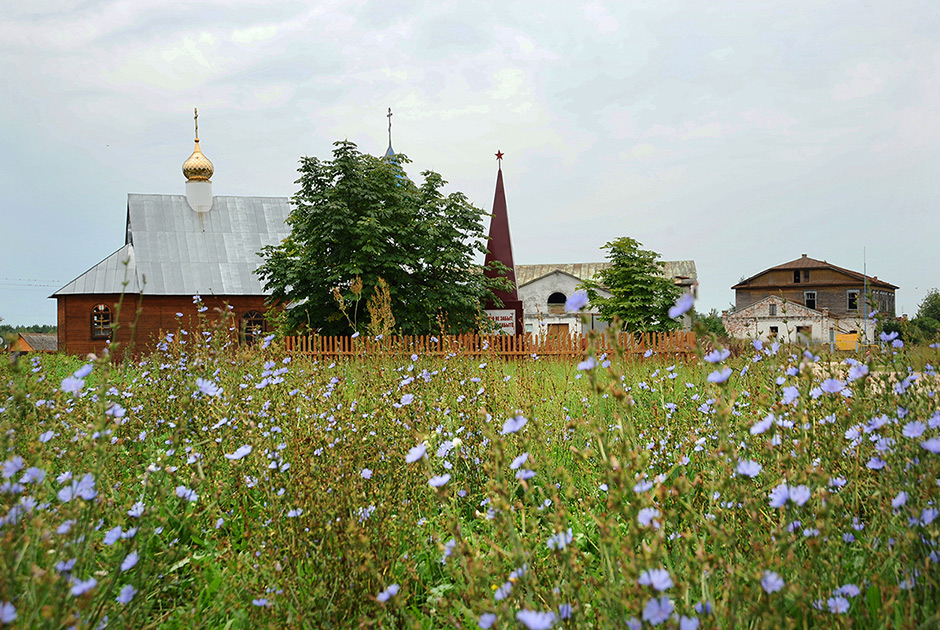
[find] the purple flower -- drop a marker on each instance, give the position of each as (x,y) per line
(388,593)
(914,429)
(366,473)
(932,445)
(519,461)
(513,425)
(129,561)
(136,510)
(838,605)
(240,452)
(762,425)
(524,474)
(657,611)
(7,612)
(682,306)
(126,595)
(688,623)
(185,493)
(790,394)
(72,385)
(416,453)
(720,376)
(577,301)
(85,488)
(12,466)
(899,500)
(260,602)
(647,517)
(657,578)
(800,494)
(718,355)
(588,364)
(779,496)
(857,371)
(560,540)
(406,399)
(439,480)
(832,386)
(503,591)
(112,536)
(564,611)
(771,582)
(534,620)
(749,468)
(888,336)
(207,387)
(45,437)
(486,621)
(80,587)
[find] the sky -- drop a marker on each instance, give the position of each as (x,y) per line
(736,134)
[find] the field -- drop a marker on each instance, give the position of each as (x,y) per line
(209,487)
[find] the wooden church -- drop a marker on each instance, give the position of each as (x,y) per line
(176,247)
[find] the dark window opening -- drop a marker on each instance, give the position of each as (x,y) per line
(101,322)
(804,330)
(796,275)
(809,299)
(253,327)
(773,331)
(556,303)
(852,299)
(773,309)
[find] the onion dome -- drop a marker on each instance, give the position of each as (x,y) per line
(197,168)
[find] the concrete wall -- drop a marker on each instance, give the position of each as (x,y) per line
(794,323)
(538,315)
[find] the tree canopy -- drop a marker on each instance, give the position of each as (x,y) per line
(640,294)
(358,220)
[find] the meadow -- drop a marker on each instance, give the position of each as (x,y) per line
(207,486)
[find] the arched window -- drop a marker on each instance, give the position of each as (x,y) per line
(101,320)
(556,303)
(253,327)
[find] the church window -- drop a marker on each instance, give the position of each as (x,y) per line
(253,327)
(101,322)
(556,303)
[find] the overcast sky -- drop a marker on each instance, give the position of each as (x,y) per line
(737,134)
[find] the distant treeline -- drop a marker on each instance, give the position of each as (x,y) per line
(35,328)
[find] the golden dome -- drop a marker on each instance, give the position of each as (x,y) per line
(197,168)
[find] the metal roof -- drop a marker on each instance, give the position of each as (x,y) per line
(173,250)
(684,269)
(805,262)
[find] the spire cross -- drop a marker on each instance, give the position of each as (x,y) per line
(196,119)
(389,116)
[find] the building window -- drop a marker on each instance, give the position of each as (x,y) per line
(101,322)
(852,295)
(809,299)
(773,309)
(773,331)
(253,327)
(796,276)
(556,303)
(806,275)
(804,330)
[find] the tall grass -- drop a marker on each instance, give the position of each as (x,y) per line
(206,486)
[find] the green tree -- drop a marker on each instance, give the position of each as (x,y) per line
(358,219)
(640,294)
(928,315)
(711,323)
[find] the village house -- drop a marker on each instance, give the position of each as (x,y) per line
(808,300)
(34,342)
(176,247)
(544,289)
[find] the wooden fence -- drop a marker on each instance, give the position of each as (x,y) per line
(676,342)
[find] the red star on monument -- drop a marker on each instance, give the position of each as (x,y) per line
(499,155)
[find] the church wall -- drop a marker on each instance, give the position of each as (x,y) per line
(157,316)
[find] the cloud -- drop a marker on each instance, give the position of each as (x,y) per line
(861,81)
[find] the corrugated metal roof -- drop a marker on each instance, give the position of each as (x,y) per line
(525,274)
(177,251)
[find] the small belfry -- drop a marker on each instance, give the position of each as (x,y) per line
(198,171)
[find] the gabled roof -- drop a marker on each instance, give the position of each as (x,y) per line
(804,262)
(173,250)
(788,308)
(41,342)
(683,269)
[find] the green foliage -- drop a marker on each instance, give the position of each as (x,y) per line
(360,217)
(711,323)
(640,295)
(928,316)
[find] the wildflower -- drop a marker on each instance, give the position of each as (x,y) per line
(857,371)
(899,500)
(800,494)
(366,473)
(486,621)
(688,623)
(72,384)
(534,620)
(647,517)
(577,301)
(848,589)
(85,488)
(779,496)
(513,425)
(749,468)
(790,394)
(682,306)
(129,561)
(240,452)
(416,453)
(136,510)
(12,466)
(876,463)
(932,445)
(112,536)
(762,425)
(588,364)
(717,356)
(296,512)
(7,612)
(185,493)
(207,387)
(659,579)
(439,480)
(519,461)
(503,591)
(888,336)
(832,386)
(720,376)
(771,582)
(657,611)
(80,587)
(928,515)
(126,595)
(406,399)
(524,474)
(837,605)
(560,540)
(388,593)
(45,437)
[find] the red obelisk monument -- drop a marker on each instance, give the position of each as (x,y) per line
(508,316)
